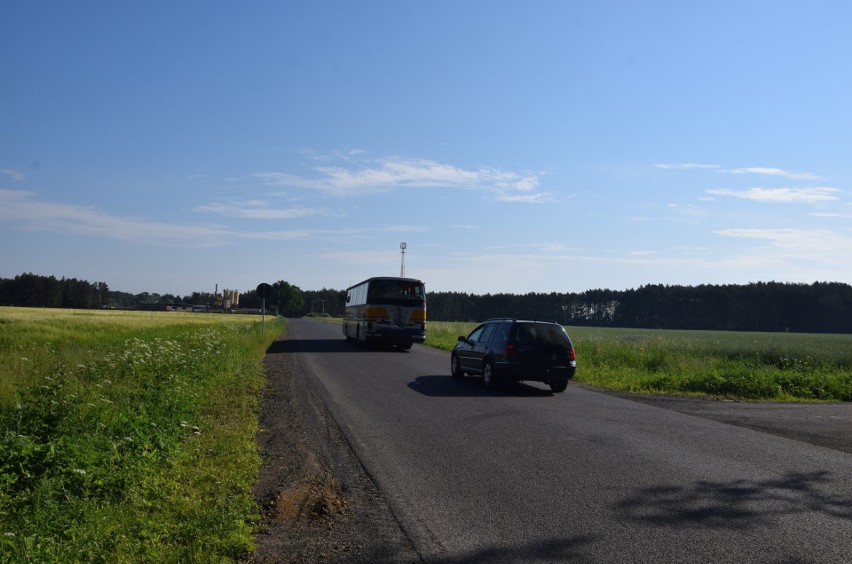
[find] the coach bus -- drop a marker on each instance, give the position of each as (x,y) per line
(386,310)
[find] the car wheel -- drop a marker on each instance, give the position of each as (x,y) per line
(489,380)
(455,366)
(557,386)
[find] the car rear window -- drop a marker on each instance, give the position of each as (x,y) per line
(541,333)
(501,334)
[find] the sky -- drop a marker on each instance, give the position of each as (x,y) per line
(514,146)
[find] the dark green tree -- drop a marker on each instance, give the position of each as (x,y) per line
(286,299)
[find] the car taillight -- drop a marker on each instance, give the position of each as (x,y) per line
(510,351)
(571,354)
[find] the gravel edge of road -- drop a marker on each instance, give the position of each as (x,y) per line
(318,502)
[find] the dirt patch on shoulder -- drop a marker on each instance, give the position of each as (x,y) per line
(318,503)
(314,500)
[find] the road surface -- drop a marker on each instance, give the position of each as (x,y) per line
(523,475)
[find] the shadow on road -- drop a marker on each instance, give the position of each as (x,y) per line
(322,346)
(563,549)
(737,504)
(447,386)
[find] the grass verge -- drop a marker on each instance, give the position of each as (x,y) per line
(128,437)
(721,364)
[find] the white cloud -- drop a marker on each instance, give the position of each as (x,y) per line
(760,170)
(832,215)
(768,171)
(545,247)
(402,229)
(366,177)
(537,198)
(14,174)
(24,209)
(813,195)
(258,209)
(684,166)
(816,245)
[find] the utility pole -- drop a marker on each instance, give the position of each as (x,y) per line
(402,247)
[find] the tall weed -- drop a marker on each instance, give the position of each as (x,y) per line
(139,449)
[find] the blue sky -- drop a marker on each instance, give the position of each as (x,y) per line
(515,147)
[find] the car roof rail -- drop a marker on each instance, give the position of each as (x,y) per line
(500,319)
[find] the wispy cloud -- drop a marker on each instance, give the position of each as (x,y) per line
(259,209)
(537,198)
(544,247)
(401,228)
(758,170)
(25,210)
(813,195)
(808,244)
(767,171)
(14,175)
(685,166)
(364,177)
(833,215)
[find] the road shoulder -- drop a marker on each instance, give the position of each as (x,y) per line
(827,425)
(318,503)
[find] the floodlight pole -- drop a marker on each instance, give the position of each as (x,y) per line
(402,247)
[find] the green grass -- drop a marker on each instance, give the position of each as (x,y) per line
(734,365)
(128,437)
(131,437)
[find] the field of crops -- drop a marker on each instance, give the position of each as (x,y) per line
(128,436)
(750,366)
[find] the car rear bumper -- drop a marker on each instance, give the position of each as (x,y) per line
(519,372)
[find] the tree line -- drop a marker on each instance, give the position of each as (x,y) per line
(821,307)
(32,290)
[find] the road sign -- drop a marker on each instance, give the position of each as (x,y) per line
(263,290)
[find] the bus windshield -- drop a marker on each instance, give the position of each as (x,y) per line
(395,290)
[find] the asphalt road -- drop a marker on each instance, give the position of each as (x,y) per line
(521,474)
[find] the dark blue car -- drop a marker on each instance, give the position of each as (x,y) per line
(512,350)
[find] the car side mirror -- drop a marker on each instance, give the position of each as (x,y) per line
(462,338)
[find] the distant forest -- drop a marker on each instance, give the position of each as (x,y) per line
(821,307)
